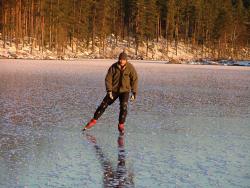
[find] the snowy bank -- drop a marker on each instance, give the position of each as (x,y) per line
(156,53)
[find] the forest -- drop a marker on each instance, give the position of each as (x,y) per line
(220,28)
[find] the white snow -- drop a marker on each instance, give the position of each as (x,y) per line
(156,51)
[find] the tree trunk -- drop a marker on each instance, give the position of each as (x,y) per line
(93,29)
(11,21)
(158,28)
(166,33)
(32,26)
(20,21)
(176,36)
(147,48)
(103,46)
(50,25)
(57,31)
(73,27)
(79,23)
(42,33)
(4,24)
(26,18)
(16,25)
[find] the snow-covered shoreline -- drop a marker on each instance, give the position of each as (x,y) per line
(107,62)
(243,63)
(156,54)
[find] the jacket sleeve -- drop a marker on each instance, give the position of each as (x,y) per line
(108,79)
(134,80)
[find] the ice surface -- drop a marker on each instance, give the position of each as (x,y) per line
(188,128)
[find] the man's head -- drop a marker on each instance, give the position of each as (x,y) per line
(122,58)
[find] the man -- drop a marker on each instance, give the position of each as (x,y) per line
(120,80)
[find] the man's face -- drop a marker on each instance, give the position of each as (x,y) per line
(122,62)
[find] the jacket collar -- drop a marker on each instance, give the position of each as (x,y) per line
(120,67)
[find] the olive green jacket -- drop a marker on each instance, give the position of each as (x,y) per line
(121,81)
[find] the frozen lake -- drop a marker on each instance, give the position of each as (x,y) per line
(190,126)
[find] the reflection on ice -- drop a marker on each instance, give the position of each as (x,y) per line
(113,178)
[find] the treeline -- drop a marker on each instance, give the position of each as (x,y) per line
(218,27)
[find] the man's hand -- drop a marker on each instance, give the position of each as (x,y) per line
(110,95)
(133,97)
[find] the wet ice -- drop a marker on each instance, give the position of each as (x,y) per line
(188,128)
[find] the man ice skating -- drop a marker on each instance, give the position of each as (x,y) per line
(121,79)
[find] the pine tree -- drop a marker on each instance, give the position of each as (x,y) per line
(150,22)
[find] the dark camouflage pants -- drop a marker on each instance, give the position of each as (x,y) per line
(123,98)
